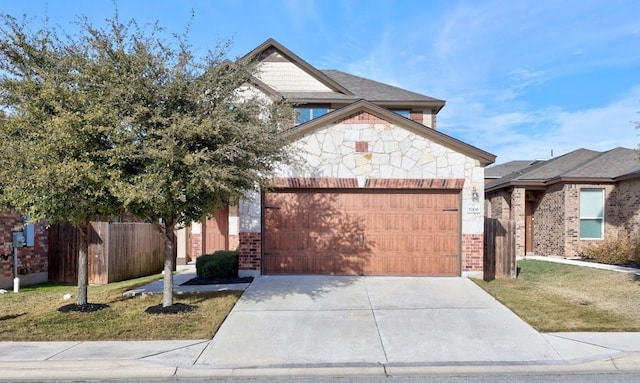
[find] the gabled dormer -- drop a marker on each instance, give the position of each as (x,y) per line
(315,92)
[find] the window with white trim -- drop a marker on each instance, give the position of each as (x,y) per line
(591,213)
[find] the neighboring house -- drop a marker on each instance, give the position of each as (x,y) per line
(495,172)
(376,190)
(565,202)
(32,261)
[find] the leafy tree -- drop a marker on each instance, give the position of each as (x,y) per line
(54,135)
(117,118)
(197,142)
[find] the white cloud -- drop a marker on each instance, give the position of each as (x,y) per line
(535,134)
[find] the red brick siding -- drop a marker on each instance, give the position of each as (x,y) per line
(499,205)
(417,116)
(628,212)
(549,222)
(378,183)
(30,259)
(362,118)
(434,119)
(250,251)
(362,146)
(472,252)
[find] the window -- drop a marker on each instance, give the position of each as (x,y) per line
(305,114)
(591,213)
(403,112)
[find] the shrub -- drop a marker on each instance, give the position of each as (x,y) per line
(222,263)
(610,251)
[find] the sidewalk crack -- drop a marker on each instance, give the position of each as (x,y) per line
(375,320)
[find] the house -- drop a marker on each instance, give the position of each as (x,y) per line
(376,190)
(565,202)
(32,262)
(495,172)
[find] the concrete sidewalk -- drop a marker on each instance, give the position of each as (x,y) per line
(383,335)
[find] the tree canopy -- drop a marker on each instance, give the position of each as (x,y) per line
(117,119)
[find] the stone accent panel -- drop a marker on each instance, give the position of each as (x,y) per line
(472,252)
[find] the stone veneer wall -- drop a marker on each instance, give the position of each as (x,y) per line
(32,261)
(392,152)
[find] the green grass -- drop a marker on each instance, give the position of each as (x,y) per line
(554,297)
(32,314)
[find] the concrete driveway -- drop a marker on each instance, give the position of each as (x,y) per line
(359,321)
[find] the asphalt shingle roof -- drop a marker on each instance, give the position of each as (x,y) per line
(371,90)
(501,170)
(579,164)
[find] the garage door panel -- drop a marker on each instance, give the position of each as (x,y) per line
(356,232)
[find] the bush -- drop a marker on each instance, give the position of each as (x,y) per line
(222,263)
(610,251)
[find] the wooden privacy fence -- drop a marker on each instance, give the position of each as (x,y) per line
(499,248)
(117,252)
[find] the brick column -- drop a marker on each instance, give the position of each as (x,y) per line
(472,253)
(249,254)
(518,215)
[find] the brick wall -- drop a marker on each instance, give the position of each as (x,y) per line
(549,228)
(499,205)
(249,252)
(472,252)
(31,260)
(518,215)
(628,207)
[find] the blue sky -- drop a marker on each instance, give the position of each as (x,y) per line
(521,78)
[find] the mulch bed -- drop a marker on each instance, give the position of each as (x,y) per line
(217,281)
(86,308)
(175,308)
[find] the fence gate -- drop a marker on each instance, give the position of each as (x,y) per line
(499,249)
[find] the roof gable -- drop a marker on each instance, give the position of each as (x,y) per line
(338,115)
(299,82)
(274,58)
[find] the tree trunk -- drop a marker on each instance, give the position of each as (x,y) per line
(83,264)
(169,246)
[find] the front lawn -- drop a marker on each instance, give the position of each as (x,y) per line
(554,297)
(32,314)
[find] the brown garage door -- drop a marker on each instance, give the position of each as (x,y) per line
(358,232)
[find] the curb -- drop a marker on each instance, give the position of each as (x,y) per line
(136,369)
